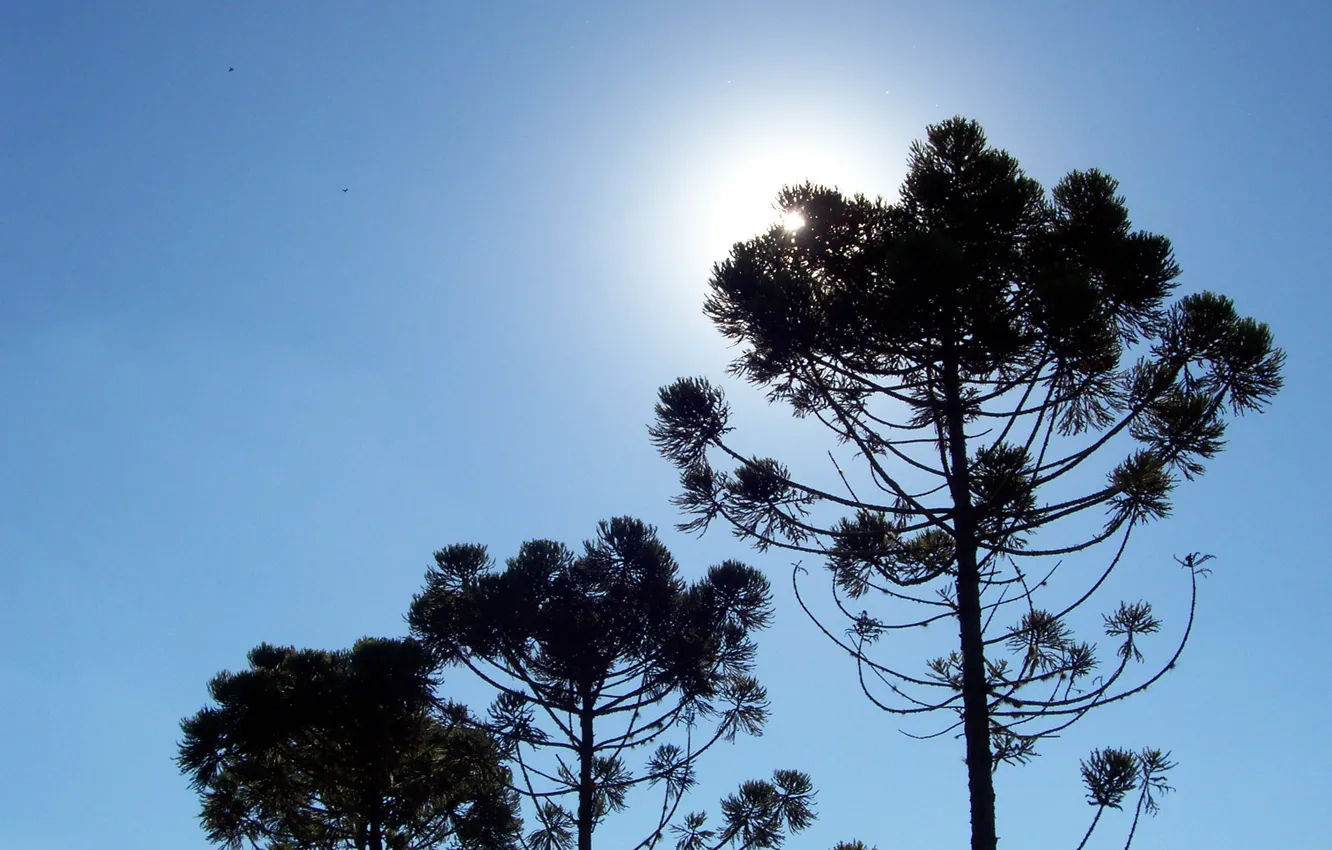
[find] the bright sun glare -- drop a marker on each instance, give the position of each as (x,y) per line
(792,220)
(734,192)
(731,179)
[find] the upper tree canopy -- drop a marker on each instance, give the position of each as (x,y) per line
(616,616)
(1029,320)
(976,277)
(316,750)
(976,344)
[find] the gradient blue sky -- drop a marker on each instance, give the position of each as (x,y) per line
(241,405)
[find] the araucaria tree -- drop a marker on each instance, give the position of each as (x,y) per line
(599,653)
(1002,362)
(315,750)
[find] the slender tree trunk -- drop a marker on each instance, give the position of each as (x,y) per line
(585,790)
(376,836)
(975,693)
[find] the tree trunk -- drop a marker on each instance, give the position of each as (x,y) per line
(975,692)
(585,790)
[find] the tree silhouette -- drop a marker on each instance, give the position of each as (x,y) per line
(599,654)
(315,750)
(1111,775)
(977,345)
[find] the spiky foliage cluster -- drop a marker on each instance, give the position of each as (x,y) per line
(979,345)
(1110,775)
(761,814)
(598,653)
(316,750)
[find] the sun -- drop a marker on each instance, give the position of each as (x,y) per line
(731,189)
(792,220)
(715,189)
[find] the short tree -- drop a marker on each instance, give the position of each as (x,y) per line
(598,654)
(315,750)
(978,345)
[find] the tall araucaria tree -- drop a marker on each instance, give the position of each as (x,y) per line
(598,654)
(315,750)
(1005,366)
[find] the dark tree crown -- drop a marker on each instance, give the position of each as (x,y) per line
(316,749)
(577,621)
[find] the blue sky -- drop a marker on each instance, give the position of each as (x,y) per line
(243,405)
